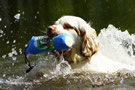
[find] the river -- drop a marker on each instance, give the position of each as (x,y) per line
(21,19)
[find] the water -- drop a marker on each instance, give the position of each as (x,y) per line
(49,73)
(20,20)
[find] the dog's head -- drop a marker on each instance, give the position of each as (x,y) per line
(85,38)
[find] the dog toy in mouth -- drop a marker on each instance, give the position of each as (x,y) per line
(40,44)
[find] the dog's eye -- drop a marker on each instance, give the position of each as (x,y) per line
(67,26)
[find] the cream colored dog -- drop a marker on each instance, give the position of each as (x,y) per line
(85,38)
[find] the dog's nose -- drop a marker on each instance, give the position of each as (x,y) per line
(51,29)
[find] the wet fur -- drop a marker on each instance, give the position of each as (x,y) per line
(85,39)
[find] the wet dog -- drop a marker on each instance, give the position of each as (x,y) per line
(85,39)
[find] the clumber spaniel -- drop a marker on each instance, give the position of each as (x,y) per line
(85,39)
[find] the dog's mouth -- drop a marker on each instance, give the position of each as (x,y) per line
(51,35)
(57,53)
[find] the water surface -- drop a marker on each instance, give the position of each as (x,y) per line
(20,20)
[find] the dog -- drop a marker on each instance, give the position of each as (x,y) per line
(84,36)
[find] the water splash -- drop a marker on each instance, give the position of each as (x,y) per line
(116,52)
(116,48)
(0,19)
(50,67)
(1,33)
(17,16)
(117,45)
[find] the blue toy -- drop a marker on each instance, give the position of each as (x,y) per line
(39,44)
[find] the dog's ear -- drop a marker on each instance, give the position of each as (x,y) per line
(89,42)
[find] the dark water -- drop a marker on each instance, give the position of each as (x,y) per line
(21,19)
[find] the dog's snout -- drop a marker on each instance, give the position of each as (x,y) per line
(51,29)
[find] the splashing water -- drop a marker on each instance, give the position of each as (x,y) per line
(17,16)
(51,67)
(114,63)
(117,45)
(116,56)
(116,52)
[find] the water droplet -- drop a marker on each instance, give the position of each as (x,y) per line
(14,51)
(11,31)
(5,26)
(26,45)
(10,54)
(4,75)
(23,13)
(1,33)
(13,64)
(17,16)
(14,41)
(4,56)
(20,50)
(4,34)
(7,42)
(14,58)
(37,12)
(35,17)
(122,80)
(0,19)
